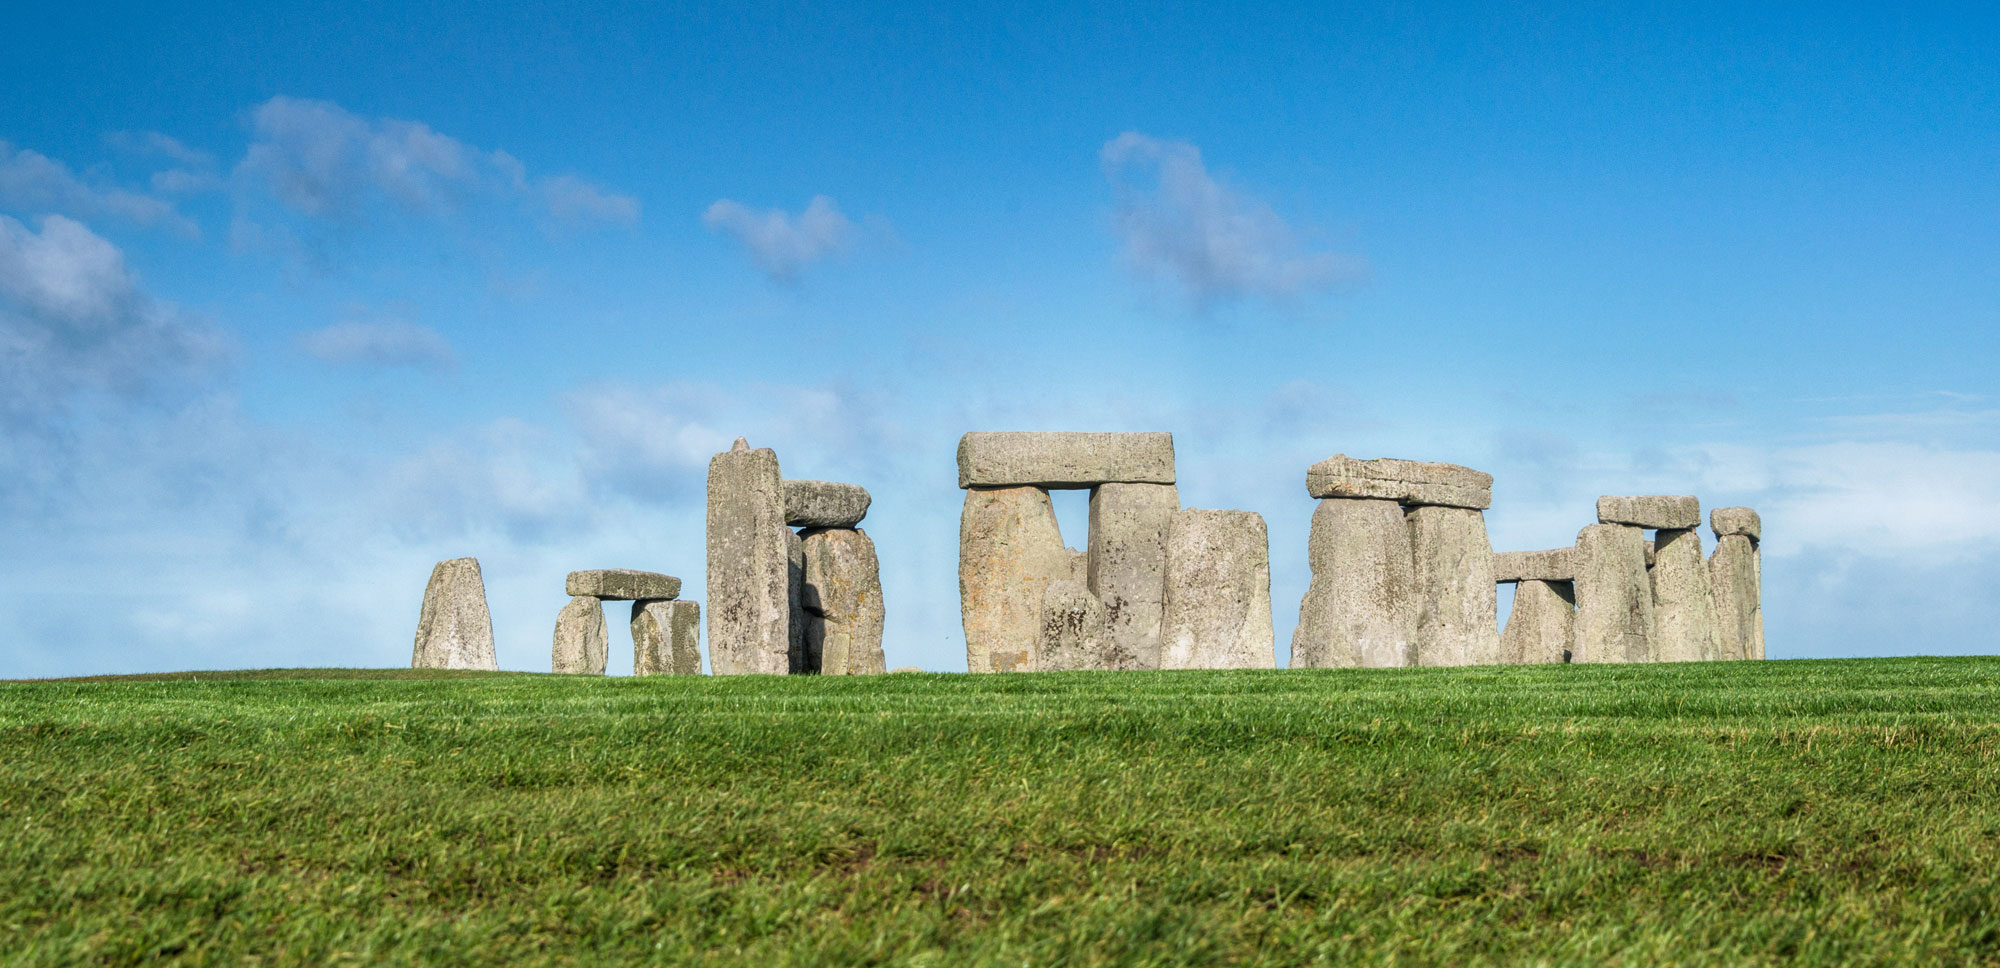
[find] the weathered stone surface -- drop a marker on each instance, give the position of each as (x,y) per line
(582,645)
(1614,598)
(623,585)
(1743,521)
(1217,613)
(1736,581)
(801,656)
(1128,567)
(1673,512)
(1683,605)
(1009,550)
(1079,565)
(1361,609)
(1551,565)
(901,669)
(454,629)
(1072,628)
(1651,551)
(1458,619)
(843,595)
(666,638)
(1541,625)
(1404,481)
(749,600)
(824,504)
(1015,459)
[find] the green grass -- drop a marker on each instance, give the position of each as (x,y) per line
(1835,812)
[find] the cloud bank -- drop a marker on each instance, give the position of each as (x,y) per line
(780,244)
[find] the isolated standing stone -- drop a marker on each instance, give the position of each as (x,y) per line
(749,600)
(1672,512)
(843,583)
(824,504)
(1361,609)
(1412,482)
(1072,629)
(1541,624)
(1128,567)
(1614,598)
(582,646)
(1458,613)
(1683,604)
(666,638)
(623,585)
(454,630)
(1014,459)
(1009,550)
(1217,613)
(1735,579)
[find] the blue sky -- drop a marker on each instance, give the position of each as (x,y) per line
(295,301)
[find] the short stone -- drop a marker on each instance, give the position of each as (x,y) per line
(902,669)
(824,504)
(1128,566)
(1057,460)
(1614,598)
(666,638)
(623,585)
(1551,565)
(1743,521)
(1079,565)
(1072,629)
(1217,613)
(454,629)
(1458,620)
(1683,606)
(749,600)
(1009,550)
(582,644)
(1650,511)
(1541,625)
(1735,580)
(1361,608)
(1403,481)
(843,593)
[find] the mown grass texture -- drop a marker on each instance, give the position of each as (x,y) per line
(1823,812)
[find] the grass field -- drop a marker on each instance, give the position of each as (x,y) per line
(1828,812)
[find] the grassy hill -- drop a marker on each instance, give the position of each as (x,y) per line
(1833,812)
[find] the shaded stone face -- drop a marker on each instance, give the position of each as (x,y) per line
(1056,460)
(1551,565)
(623,585)
(749,579)
(1361,609)
(1403,481)
(666,638)
(582,644)
(454,629)
(1009,551)
(1458,621)
(1614,598)
(1127,566)
(843,598)
(824,504)
(1671,512)
(1735,581)
(1683,605)
(1540,627)
(801,655)
(1217,613)
(1071,635)
(1743,521)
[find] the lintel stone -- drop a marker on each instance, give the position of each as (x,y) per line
(1064,460)
(623,585)
(1743,521)
(1409,482)
(824,504)
(1519,566)
(1674,512)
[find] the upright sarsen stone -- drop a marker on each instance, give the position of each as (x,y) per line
(666,638)
(843,593)
(1683,604)
(800,653)
(1361,608)
(1010,549)
(749,584)
(1072,629)
(1614,598)
(582,644)
(1458,618)
(454,629)
(1127,565)
(1217,613)
(1736,580)
(1541,626)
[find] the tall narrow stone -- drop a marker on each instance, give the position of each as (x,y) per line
(1735,581)
(454,630)
(666,638)
(843,587)
(1217,613)
(1128,567)
(1614,598)
(1683,603)
(1361,608)
(1541,625)
(801,656)
(1458,615)
(1009,550)
(749,585)
(1072,629)
(582,645)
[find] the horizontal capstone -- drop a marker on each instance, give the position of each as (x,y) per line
(1519,566)
(1405,481)
(623,585)
(824,504)
(1073,460)
(1743,521)
(1675,512)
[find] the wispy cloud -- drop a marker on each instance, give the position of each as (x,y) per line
(781,244)
(1214,241)
(380,343)
(34,184)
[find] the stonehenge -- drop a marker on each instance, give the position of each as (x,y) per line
(666,638)
(1615,621)
(454,630)
(1217,608)
(1736,575)
(666,632)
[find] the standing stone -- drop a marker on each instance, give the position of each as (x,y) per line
(801,657)
(1541,625)
(1072,629)
(454,630)
(1683,604)
(583,646)
(1217,613)
(1016,459)
(1079,565)
(1735,576)
(1614,598)
(1361,609)
(1458,616)
(843,582)
(666,638)
(749,584)
(1009,550)
(1128,567)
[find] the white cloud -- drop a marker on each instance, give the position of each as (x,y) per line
(388,342)
(779,243)
(571,199)
(1216,242)
(33,183)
